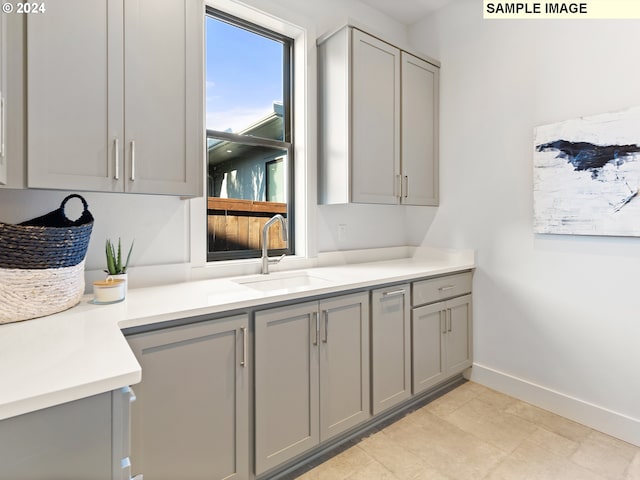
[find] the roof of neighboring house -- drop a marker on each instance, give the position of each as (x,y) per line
(270,126)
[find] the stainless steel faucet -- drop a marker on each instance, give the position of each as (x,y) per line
(265,257)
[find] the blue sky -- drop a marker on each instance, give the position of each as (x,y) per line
(244,76)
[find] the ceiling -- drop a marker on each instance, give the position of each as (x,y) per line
(406,11)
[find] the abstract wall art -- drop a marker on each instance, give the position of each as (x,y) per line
(586,175)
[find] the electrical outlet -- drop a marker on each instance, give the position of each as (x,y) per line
(342,232)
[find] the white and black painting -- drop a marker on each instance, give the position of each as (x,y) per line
(587,175)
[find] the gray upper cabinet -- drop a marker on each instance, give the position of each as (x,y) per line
(311,377)
(164,139)
(391,346)
(420,113)
(75,91)
(115,101)
(190,419)
(378,122)
(375,120)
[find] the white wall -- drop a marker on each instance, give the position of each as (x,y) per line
(556,317)
(158,224)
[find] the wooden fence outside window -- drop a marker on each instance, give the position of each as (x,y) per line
(235,224)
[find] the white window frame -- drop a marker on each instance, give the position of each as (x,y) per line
(305,122)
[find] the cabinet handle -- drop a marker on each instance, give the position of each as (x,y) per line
(406,186)
(447,287)
(133,161)
(125,467)
(326,326)
(449,316)
(116,159)
(132,394)
(394,293)
(243,362)
(316,327)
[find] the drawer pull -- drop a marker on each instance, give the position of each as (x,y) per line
(394,293)
(447,287)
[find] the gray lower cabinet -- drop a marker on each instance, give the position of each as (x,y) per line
(458,343)
(287,374)
(427,346)
(3,128)
(311,375)
(86,439)
(391,346)
(190,419)
(344,364)
(441,331)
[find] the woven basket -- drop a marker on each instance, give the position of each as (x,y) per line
(42,264)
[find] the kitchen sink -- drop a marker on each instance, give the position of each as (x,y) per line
(286,282)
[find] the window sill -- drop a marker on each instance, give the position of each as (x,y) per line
(250,266)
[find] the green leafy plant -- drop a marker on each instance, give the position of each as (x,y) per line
(114,259)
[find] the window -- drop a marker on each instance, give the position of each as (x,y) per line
(249,137)
(275,180)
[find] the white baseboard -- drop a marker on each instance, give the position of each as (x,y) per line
(602,419)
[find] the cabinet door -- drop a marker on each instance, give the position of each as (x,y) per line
(420,87)
(68,441)
(3,83)
(190,418)
(74,92)
(428,325)
(391,347)
(375,122)
(164,143)
(344,363)
(459,334)
(286,383)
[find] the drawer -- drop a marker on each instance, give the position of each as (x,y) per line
(441,288)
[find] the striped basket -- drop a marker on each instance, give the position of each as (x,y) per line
(42,264)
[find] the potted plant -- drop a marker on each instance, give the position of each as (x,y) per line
(115,268)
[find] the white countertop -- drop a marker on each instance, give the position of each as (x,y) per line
(82,351)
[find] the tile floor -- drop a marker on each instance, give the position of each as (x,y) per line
(473,433)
